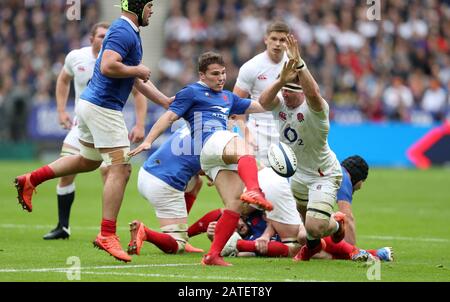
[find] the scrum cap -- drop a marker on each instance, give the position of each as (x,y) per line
(135,7)
(357,167)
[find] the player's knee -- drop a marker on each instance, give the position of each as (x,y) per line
(124,170)
(316,228)
(179,233)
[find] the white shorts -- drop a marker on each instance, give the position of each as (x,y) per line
(278,191)
(211,156)
(264,133)
(320,192)
(105,128)
(167,201)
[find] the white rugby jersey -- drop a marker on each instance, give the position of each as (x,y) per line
(79,64)
(306,132)
(256,75)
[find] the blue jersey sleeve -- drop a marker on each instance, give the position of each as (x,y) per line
(239,105)
(120,41)
(184,100)
(345,192)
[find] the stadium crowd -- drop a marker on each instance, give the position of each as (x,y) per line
(396,68)
(35,37)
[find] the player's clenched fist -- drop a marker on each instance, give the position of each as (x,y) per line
(143,72)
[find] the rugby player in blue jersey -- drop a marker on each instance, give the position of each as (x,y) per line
(102,131)
(167,179)
(206,107)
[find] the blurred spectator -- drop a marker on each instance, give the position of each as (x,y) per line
(398,100)
(355,60)
(34,38)
(435,100)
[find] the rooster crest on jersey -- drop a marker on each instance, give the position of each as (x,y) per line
(282,159)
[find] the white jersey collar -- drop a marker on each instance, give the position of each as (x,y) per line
(285,58)
(203,84)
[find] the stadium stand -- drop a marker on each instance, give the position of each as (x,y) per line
(35,36)
(396,68)
(393,69)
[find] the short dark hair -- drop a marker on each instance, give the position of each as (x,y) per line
(278,26)
(357,167)
(209,58)
(97,26)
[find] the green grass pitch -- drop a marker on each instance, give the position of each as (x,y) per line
(406,209)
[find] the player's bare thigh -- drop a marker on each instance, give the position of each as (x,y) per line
(236,148)
(230,187)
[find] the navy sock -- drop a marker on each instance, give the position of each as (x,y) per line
(64,205)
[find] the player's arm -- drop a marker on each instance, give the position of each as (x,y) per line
(241,120)
(350,228)
(262,242)
(62,94)
(140,108)
(255,107)
(112,66)
(161,125)
(268,98)
(309,85)
(149,90)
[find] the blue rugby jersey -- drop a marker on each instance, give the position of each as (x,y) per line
(172,166)
(345,192)
(112,93)
(206,110)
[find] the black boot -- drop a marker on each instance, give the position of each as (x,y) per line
(59,232)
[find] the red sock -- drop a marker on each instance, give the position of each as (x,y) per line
(40,175)
(189,198)
(274,248)
(201,225)
(277,249)
(164,242)
(224,229)
(246,246)
(342,248)
(248,171)
(373,252)
(108,227)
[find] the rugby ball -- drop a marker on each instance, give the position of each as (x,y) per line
(282,159)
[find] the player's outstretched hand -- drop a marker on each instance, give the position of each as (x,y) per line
(142,147)
(143,73)
(292,49)
(289,71)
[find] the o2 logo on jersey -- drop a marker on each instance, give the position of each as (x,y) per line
(291,135)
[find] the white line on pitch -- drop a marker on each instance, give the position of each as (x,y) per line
(70,270)
(65,269)
(197,277)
